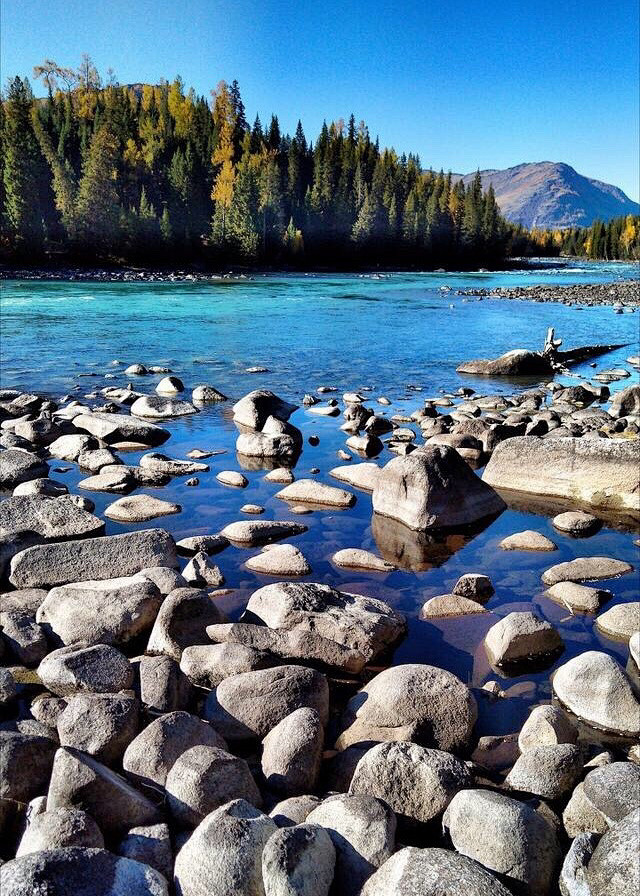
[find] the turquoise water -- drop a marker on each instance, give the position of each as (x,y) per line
(384,332)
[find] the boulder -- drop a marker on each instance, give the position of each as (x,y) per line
(161,685)
(614,869)
(59,829)
(601,473)
(232,478)
(613,790)
(475,586)
(577,598)
(576,523)
(182,621)
(112,428)
(139,509)
(621,621)
(151,845)
(206,665)
(194,544)
(444,605)
(253,410)
(529,540)
(432,872)
(546,726)
(412,702)
(356,558)
(521,636)
(204,393)
(171,466)
(49,488)
(294,810)
(573,874)
(506,836)
(626,402)
(308,491)
(112,611)
(416,782)
(292,753)
(518,362)
(202,779)
(279,560)
(363,476)
(70,447)
(250,704)
(23,637)
(117,480)
(256,532)
(18,466)
(102,725)
(92,558)
(25,760)
(279,447)
(433,488)
(586,569)
(201,572)
(151,755)
(161,407)
(596,689)
(363,831)
(223,856)
(80,780)
(55,519)
(298,861)
(170,385)
(549,771)
(80,871)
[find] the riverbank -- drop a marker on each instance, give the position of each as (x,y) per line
(619,292)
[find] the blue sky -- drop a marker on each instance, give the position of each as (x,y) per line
(464,83)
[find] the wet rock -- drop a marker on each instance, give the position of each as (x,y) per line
(621,621)
(79,780)
(279,560)
(576,523)
(366,446)
(136,370)
(546,726)
(18,466)
(204,778)
(140,508)
(151,845)
(92,558)
(255,532)
(111,611)
(58,829)
(94,461)
(577,598)
(101,725)
(586,569)
(600,473)
(81,871)
(151,755)
(26,761)
(528,540)
(355,558)
(474,586)
(363,832)
(549,771)
(298,861)
(204,393)
(433,488)
(613,867)
(206,665)
(450,605)
(523,844)
(157,406)
(182,620)
(292,752)
(250,704)
(254,409)
(596,689)
(200,572)
(417,783)
(432,872)
(114,428)
(518,362)
(252,508)
(412,702)
(308,491)
(99,669)
(172,466)
(521,636)
(224,853)
(161,686)
(363,476)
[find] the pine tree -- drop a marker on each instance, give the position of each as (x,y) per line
(22,160)
(98,208)
(222,193)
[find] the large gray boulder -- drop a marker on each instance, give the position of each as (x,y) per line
(160,684)
(626,402)
(58,829)
(594,687)
(614,869)
(99,669)
(547,725)
(223,856)
(520,636)
(415,782)
(56,519)
(151,845)
(104,612)
(113,428)
(506,836)
(363,831)
(298,861)
(433,487)
(292,753)
(517,362)
(18,466)
(432,872)
(206,665)
(614,789)
(549,771)
(270,446)
(112,556)
(151,755)
(249,705)
(360,623)
(601,473)
(182,621)
(25,763)
(80,780)
(255,408)
(157,406)
(412,702)
(101,725)
(586,569)
(79,871)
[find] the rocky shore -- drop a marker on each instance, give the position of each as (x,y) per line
(621,293)
(152,745)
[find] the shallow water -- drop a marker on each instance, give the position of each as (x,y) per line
(384,332)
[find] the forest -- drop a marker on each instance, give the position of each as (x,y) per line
(138,174)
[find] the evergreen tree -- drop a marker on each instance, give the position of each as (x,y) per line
(22,207)
(98,208)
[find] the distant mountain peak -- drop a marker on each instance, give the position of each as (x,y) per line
(553,194)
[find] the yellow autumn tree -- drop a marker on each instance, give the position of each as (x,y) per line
(222,159)
(629,234)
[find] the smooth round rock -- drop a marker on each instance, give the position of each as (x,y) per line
(621,621)
(576,523)
(528,540)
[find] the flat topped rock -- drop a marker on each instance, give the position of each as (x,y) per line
(18,466)
(58,518)
(621,621)
(594,687)
(139,508)
(528,540)
(577,523)
(160,463)
(254,532)
(194,544)
(158,406)
(363,476)
(112,428)
(586,569)
(450,605)
(356,558)
(279,560)
(577,598)
(308,491)
(117,480)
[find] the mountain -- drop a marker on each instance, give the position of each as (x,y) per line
(552,194)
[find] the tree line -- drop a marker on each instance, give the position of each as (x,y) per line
(615,240)
(99,171)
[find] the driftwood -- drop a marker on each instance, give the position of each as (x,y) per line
(573,355)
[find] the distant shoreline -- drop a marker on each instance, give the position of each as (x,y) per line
(622,293)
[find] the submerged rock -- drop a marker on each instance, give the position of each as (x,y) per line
(355,558)
(307,491)
(586,569)
(140,508)
(255,532)
(157,406)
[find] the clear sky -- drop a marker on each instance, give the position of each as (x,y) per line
(464,83)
